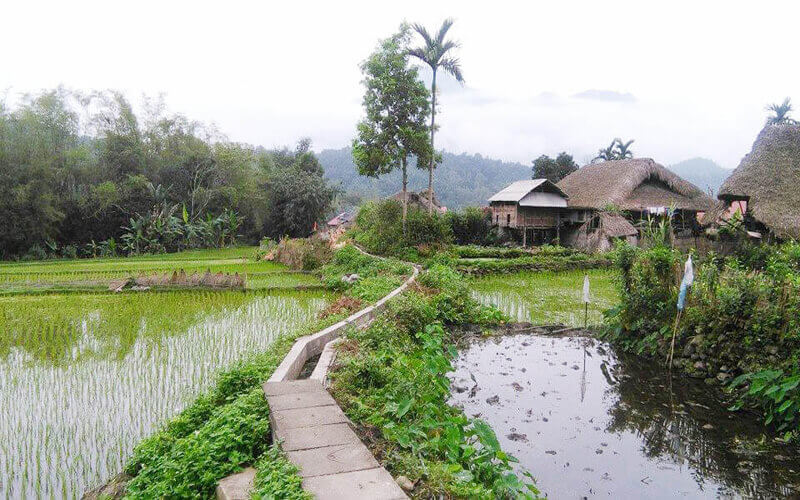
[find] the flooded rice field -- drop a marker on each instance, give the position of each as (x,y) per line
(587,423)
(86,377)
(548,297)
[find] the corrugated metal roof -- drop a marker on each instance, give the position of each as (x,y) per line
(518,190)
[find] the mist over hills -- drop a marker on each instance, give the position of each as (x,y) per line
(469,180)
(703,173)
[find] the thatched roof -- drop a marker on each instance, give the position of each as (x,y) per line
(418,200)
(634,184)
(616,226)
(770,177)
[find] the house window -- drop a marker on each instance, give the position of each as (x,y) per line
(508,219)
(497,219)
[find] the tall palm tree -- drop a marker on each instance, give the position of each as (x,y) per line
(436,54)
(781,113)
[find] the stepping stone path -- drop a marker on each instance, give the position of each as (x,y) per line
(316,436)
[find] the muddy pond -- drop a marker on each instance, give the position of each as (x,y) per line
(588,422)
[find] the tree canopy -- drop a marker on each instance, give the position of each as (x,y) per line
(77,168)
(552,169)
(396,108)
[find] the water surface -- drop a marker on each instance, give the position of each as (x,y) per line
(589,423)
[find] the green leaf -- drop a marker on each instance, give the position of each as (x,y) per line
(486,435)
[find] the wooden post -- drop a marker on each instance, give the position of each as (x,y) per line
(558,227)
(524,236)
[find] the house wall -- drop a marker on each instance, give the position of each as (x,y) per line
(537,217)
(504,214)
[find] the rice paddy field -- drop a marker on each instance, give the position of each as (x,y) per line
(548,297)
(86,373)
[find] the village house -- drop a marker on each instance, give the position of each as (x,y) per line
(765,187)
(599,203)
(530,206)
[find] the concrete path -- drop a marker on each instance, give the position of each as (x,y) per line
(316,436)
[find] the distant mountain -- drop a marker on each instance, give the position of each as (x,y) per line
(460,181)
(703,173)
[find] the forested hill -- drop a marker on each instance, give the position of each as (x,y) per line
(460,181)
(702,172)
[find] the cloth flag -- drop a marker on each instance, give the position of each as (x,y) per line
(586,289)
(686,282)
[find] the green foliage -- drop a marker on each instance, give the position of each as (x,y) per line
(397,109)
(556,169)
(742,313)
(380,228)
(546,258)
(472,226)
(778,394)
(277,478)
(233,435)
(395,383)
(166,175)
(377,277)
(617,150)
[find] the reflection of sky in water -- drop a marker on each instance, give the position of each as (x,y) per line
(72,425)
(615,430)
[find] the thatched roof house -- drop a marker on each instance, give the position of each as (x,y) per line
(419,200)
(635,185)
(768,180)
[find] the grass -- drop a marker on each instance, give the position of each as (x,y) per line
(548,297)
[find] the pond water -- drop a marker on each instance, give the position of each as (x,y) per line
(587,423)
(85,377)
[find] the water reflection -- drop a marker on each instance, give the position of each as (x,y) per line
(587,422)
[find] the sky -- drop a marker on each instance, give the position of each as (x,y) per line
(682,78)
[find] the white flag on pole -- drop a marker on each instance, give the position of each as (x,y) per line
(586,289)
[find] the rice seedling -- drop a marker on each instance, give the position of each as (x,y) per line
(86,376)
(548,297)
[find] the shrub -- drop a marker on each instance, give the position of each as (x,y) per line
(304,254)
(380,229)
(472,226)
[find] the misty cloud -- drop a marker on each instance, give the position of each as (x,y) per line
(605,96)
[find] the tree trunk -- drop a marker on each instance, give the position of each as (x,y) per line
(433,149)
(405,195)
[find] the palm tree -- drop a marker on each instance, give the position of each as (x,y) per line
(606,154)
(781,116)
(435,53)
(623,149)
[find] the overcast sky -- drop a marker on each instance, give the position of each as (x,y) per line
(684,79)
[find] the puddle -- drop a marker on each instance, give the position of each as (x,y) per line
(587,422)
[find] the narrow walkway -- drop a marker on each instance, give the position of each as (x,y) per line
(317,437)
(313,431)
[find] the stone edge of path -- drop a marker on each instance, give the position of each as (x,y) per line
(372,482)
